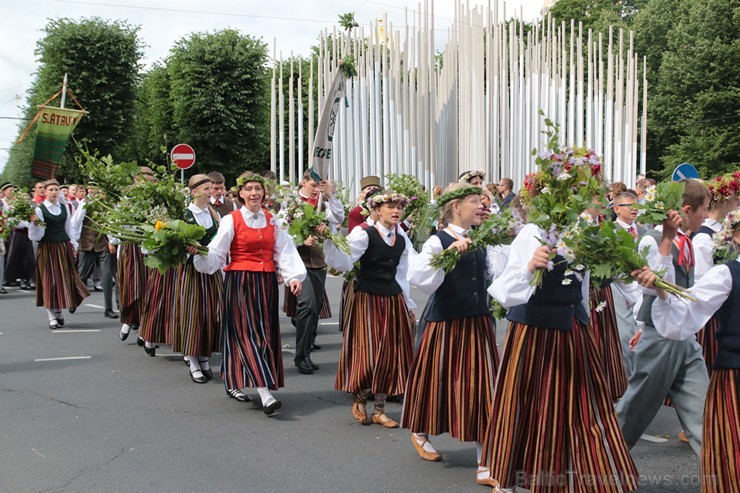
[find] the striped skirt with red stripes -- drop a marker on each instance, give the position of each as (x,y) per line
(58,285)
(131,277)
(158,309)
(377,348)
(198,326)
(604,324)
(252,355)
(720,450)
(289,305)
(708,342)
(345,304)
(451,380)
(553,427)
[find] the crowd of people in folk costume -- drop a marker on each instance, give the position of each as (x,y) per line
(583,371)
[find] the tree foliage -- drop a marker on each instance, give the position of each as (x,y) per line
(101,58)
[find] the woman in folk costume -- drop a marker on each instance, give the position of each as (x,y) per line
(198,326)
(717,295)
(725,190)
(20,261)
(377,350)
(553,426)
(453,374)
(257,246)
(131,276)
(58,285)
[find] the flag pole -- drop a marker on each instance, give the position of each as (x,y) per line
(64,90)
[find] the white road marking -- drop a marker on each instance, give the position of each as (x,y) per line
(653,439)
(329,323)
(63,358)
(74,331)
(95,306)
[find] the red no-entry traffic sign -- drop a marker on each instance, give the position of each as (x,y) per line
(183,156)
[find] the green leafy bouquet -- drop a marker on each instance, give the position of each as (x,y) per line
(498,229)
(421,212)
(21,208)
(303,219)
(610,252)
(660,199)
(5,227)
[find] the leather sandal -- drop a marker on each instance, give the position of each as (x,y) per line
(430,456)
(359,412)
(382,419)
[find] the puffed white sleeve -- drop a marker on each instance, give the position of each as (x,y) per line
(71,229)
(287,257)
(409,254)
(420,274)
(676,318)
(334,211)
(661,264)
(76,222)
(512,288)
(218,248)
(338,260)
(630,292)
(703,250)
(35,233)
(496,258)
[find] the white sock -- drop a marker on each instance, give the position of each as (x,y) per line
(478,451)
(424,438)
(148,344)
(204,363)
(125,328)
(194,366)
(52,315)
(265,395)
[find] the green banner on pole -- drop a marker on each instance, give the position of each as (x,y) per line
(55,125)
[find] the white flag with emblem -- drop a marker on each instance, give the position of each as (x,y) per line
(322,144)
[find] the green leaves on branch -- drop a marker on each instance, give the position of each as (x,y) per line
(659,200)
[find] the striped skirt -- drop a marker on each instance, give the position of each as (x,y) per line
(604,323)
(58,285)
(451,380)
(289,305)
(720,464)
(198,326)
(252,355)
(158,307)
(708,342)
(131,277)
(20,260)
(345,304)
(376,349)
(553,427)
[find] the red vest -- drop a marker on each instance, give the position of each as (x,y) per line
(251,249)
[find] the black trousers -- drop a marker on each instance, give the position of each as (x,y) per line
(308,307)
(86,263)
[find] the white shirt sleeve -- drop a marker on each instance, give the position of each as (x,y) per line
(218,248)
(287,258)
(660,264)
(630,292)
(334,211)
(78,218)
(423,276)
(408,256)
(338,260)
(35,233)
(703,250)
(512,288)
(675,318)
(496,258)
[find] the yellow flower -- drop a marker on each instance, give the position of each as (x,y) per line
(159,225)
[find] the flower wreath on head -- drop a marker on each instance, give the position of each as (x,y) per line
(388,196)
(469,175)
(243,180)
(724,239)
(457,194)
(724,187)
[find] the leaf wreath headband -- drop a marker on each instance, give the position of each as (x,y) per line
(457,194)
(243,180)
(468,175)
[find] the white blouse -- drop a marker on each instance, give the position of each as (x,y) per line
(358,243)
(704,249)
(284,252)
(35,233)
(512,287)
(428,279)
(202,216)
(679,319)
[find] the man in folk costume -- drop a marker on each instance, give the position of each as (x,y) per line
(20,261)
(356,217)
(219,202)
(663,367)
(94,251)
(311,297)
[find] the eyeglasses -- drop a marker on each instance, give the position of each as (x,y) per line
(631,206)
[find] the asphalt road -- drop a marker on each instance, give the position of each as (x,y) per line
(112,419)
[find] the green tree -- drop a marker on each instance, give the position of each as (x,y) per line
(101,58)
(219,89)
(153,126)
(696,103)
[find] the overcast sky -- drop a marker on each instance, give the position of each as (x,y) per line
(293,24)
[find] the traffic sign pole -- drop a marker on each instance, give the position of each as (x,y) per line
(184,157)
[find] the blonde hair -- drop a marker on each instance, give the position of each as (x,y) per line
(445,212)
(197,180)
(487,194)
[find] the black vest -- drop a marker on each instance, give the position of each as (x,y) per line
(378,265)
(210,232)
(728,333)
(553,305)
(463,291)
(55,232)
(683,279)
